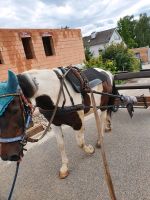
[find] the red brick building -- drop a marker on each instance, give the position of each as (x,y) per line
(24,49)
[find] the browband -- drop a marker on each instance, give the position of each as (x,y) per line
(10,140)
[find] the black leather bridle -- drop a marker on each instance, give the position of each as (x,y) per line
(26,107)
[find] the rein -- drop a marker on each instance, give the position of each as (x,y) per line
(14,181)
(61,78)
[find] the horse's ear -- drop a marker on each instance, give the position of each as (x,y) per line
(12,81)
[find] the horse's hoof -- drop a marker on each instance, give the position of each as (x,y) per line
(63,175)
(107,130)
(89,149)
(98,145)
(92,149)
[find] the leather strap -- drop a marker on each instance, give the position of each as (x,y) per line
(10,140)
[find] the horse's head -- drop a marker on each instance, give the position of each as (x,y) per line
(13,116)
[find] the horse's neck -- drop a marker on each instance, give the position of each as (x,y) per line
(49,84)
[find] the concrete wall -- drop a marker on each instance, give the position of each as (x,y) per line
(95,49)
(68,47)
(143,53)
(148,55)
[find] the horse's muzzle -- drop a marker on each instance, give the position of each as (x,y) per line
(14,158)
(11,158)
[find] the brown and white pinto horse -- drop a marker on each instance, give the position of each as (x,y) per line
(41,88)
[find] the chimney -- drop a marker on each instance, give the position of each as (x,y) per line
(93,35)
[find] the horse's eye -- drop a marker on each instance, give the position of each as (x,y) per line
(15,126)
(15,110)
(13,102)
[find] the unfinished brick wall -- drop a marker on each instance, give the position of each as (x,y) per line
(143,52)
(68,48)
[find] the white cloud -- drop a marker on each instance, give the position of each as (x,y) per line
(89,15)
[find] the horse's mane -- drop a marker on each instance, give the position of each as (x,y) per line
(27,84)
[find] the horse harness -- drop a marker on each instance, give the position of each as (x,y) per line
(27,111)
(27,108)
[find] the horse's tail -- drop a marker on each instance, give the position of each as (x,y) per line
(114,89)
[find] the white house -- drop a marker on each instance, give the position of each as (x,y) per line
(97,41)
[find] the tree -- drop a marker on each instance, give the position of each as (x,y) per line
(123,59)
(126,28)
(116,57)
(88,54)
(142,31)
(135,33)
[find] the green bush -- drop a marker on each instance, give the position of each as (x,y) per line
(115,57)
(95,62)
(110,65)
(134,62)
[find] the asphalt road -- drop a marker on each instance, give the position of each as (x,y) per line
(128,153)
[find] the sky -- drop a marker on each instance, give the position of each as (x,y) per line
(88,15)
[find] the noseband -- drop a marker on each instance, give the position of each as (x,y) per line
(26,114)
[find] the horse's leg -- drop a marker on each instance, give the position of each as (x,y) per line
(80,137)
(102,127)
(63,173)
(108,126)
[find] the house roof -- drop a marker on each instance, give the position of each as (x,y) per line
(101,38)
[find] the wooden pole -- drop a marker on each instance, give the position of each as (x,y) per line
(132,87)
(131,75)
(106,168)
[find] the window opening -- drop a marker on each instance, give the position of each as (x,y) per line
(48,45)
(28,47)
(1,58)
